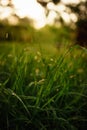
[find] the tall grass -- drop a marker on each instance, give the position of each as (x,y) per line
(43,93)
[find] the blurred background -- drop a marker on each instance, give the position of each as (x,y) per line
(48,21)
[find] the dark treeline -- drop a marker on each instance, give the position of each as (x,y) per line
(15,33)
(26,33)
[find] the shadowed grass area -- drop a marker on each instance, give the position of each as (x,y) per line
(43,90)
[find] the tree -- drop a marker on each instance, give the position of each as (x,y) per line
(80,10)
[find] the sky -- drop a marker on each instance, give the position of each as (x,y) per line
(35,11)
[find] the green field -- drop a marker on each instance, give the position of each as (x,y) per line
(43,87)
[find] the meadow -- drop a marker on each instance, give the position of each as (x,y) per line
(43,87)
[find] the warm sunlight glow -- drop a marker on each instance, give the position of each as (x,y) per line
(50,19)
(66,17)
(4,2)
(5,12)
(73,17)
(72,1)
(13,20)
(32,10)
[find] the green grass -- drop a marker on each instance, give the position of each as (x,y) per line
(42,89)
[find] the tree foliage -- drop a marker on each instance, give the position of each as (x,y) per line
(80,10)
